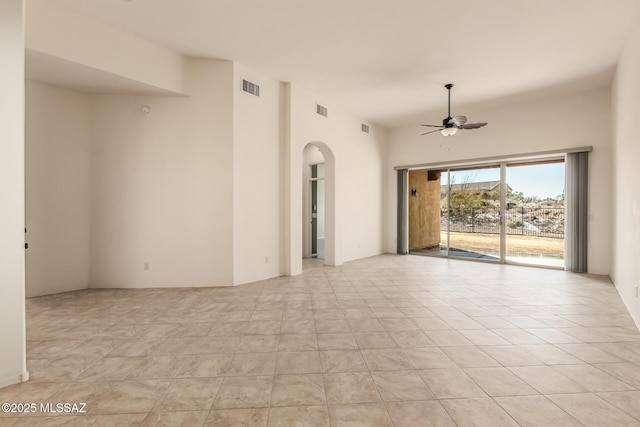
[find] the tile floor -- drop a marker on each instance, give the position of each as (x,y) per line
(388,340)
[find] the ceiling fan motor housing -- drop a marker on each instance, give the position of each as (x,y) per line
(447,123)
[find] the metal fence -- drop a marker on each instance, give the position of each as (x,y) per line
(525,221)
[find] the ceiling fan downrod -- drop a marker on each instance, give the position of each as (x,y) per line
(448,86)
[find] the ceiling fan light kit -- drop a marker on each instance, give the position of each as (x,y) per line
(451,125)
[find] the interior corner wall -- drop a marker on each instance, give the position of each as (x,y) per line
(57,189)
(626,174)
(12,305)
(572,120)
(162,185)
(359,176)
(257,147)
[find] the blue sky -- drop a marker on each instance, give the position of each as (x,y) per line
(542,181)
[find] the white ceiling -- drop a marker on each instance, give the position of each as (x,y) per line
(387,60)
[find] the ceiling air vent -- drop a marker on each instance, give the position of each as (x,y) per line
(321,110)
(365,128)
(251,88)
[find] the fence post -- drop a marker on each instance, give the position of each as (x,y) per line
(473,220)
(522,219)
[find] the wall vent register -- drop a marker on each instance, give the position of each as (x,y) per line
(321,110)
(365,128)
(250,87)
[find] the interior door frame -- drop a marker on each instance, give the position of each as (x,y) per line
(313,179)
(313,237)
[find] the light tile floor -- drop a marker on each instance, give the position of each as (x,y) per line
(388,340)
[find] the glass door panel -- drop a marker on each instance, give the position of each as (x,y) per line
(472,200)
(534,216)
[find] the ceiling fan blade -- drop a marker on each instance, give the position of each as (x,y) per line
(433,126)
(473,125)
(458,120)
(427,133)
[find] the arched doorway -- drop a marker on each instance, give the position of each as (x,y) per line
(318,202)
(294,218)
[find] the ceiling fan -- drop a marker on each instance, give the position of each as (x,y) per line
(451,125)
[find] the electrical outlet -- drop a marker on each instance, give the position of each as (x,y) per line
(266,260)
(146,266)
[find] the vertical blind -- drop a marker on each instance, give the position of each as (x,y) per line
(576,205)
(403,233)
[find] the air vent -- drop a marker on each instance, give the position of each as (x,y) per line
(251,88)
(321,110)
(365,128)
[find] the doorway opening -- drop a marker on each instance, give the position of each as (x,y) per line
(318,204)
(317,210)
(502,212)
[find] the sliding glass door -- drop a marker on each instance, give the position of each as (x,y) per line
(472,200)
(503,212)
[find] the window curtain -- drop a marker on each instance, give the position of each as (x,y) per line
(402,237)
(576,208)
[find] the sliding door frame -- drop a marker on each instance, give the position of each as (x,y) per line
(502,162)
(503,213)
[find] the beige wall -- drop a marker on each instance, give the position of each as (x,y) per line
(161,185)
(257,182)
(12,308)
(359,177)
(193,193)
(178,191)
(57,189)
(626,173)
(523,126)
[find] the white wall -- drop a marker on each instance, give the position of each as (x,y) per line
(359,177)
(57,189)
(12,311)
(161,185)
(626,152)
(64,34)
(257,146)
(575,120)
